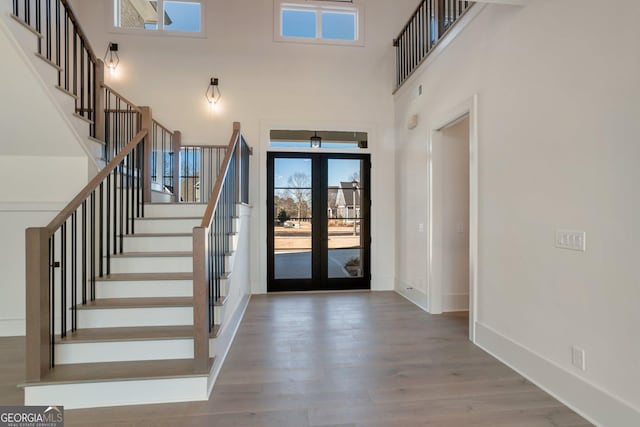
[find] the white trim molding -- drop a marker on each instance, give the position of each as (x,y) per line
(589,400)
(435,301)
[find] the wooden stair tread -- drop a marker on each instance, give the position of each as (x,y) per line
(176,204)
(156,218)
(121,371)
(143,277)
(157,302)
(160,234)
(145,333)
(152,254)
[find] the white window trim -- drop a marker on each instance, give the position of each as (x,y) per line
(319,6)
(160,31)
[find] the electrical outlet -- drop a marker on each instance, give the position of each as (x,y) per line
(421,228)
(571,239)
(578,358)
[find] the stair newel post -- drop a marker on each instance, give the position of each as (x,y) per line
(38,308)
(147,124)
(200,301)
(177,143)
(99,106)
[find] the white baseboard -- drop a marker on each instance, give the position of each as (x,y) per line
(225,339)
(416,296)
(455,302)
(12,327)
(596,405)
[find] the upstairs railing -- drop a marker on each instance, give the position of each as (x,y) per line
(64,44)
(427,26)
(212,243)
(65,257)
(165,145)
(199,168)
(122,120)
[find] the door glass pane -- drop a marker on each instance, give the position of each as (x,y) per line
(343,218)
(293,218)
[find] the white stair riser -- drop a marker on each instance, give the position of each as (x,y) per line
(81,126)
(124,317)
(145,289)
(95,148)
(118,393)
(161,197)
(66,101)
(158,244)
(151,265)
(174,210)
(166,225)
(121,351)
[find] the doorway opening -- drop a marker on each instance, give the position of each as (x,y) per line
(451,218)
(318,221)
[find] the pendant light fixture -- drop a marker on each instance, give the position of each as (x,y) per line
(315,140)
(111,58)
(213,92)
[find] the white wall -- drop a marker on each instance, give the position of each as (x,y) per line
(557,85)
(42,166)
(266,83)
(450,153)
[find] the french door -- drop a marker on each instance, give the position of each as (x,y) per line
(318,221)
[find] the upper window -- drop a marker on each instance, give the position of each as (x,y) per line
(159,15)
(320,21)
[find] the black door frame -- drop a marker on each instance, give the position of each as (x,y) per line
(319,183)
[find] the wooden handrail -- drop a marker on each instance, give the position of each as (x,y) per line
(85,39)
(217,188)
(157,123)
(93,184)
(119,95)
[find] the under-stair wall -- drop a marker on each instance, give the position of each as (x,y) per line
(41,166)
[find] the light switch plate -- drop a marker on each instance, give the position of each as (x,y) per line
(571,239)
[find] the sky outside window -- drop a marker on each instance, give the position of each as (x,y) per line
(184,16)
(339,25)
(298,23)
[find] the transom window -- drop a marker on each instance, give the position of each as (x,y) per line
(323,21)
(181,16)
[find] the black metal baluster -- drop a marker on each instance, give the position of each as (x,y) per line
(92,237)
(82,82)
(74,271)
(121,212)
(57,29)
(84,252)
(52,296)
(38,23)
(48,29)
(101,230)
(63,281)
(108,224)
(66,49)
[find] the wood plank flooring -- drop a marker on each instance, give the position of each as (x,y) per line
(361,359)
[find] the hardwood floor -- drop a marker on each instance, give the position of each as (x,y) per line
(361,359)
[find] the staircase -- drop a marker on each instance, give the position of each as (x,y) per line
(136,340)
(129,300)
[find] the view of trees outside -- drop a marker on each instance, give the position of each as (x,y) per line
(294,222)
